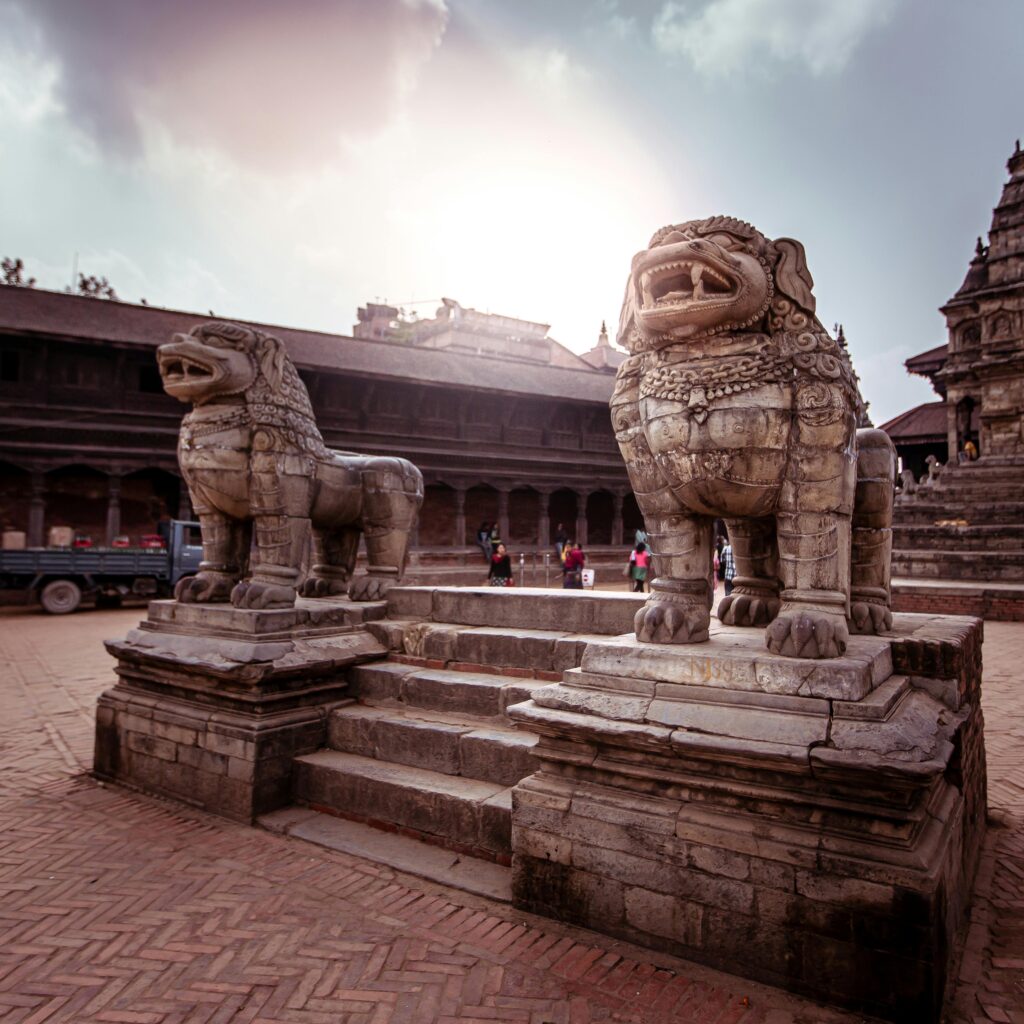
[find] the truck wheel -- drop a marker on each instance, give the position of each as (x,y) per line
(60,597)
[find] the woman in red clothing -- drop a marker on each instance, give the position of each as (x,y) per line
(573,567)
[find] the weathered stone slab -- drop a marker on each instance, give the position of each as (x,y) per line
(599,612)
(735,658)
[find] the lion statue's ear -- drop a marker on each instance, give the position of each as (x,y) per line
(271,356)
(792,277)
(627,318)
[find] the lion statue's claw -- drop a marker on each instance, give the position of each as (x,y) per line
(369,588)
(807,633)
(203,588)
(668,622)
(321,586)
(870,618)
(747,608)
(256,594)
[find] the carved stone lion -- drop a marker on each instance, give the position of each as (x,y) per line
(735,403)
(260,477)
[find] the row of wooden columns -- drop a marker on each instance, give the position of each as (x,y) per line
(35,534)
(544,538)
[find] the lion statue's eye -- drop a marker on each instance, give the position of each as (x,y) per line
(726,242)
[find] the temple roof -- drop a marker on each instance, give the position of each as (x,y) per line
(921,424)
(1000,263)
(927,363)
(30,311)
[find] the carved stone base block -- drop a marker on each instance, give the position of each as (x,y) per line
(813,825)
(213,702)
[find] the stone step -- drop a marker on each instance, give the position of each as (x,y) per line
(530,653)
(931,512)
(990,536)
(449,744)
(451,811)
(480,694)
(606,613)
(404,853)
(999,564)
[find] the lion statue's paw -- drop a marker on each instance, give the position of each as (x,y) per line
(669,622)
(321,586)
(807,633)
(748,608)
(257,594)
(370,588)
(867,617)
(204,587)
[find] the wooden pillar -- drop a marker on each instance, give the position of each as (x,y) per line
(617,518)
(544,519)
(459,538)
(503,514)
(37,509)
(113,507)
(581,518)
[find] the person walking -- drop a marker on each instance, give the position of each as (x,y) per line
(495,537)
(572,570)
(639,564)
(561,539)
(501,567)
(728,564)
(483,540)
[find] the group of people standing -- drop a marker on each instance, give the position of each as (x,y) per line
(572,559)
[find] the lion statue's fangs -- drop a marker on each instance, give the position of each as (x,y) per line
(735,403)
(260,478)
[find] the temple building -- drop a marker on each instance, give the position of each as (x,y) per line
(962,526)
(505,423)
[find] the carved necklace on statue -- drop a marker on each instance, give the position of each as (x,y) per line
(698,383)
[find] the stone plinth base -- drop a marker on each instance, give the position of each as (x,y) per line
(213,702)
(814,825)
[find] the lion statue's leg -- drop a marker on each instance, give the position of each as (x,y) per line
(679,608)
(281,542)
(225,553)
(334,558)
(813,560)
(754,600)
(392,494)
(872,533)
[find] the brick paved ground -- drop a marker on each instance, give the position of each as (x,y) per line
(117,907)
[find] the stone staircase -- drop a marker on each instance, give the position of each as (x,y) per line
(961,534)
(426,750)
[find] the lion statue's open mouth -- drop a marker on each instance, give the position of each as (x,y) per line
(736,404)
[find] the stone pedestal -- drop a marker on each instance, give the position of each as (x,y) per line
(213,702)
(811,824)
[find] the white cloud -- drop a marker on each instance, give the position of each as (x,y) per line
(551,68)
(725,36)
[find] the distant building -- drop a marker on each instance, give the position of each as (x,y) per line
(505,423)
(979,372)
(458,329)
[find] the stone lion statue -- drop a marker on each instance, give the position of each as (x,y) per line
(735,403)
(260,477)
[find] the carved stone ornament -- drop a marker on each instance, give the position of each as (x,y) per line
(260,478)
(736,403)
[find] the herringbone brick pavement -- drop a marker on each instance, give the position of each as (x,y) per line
(117,907)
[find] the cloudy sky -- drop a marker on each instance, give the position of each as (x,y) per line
(288,162)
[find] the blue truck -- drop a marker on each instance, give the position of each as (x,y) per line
(60,578)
